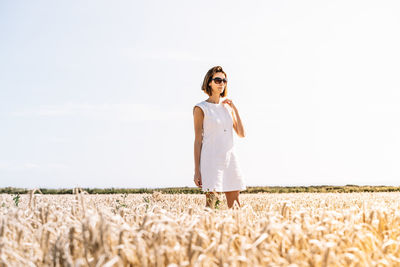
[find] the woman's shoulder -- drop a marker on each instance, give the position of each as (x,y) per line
(229,108)
(201,104)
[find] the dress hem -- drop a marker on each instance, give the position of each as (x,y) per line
(226,190)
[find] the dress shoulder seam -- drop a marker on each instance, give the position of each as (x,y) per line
(201,105)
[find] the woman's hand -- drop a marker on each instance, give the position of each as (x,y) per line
(197,179)
(229,102)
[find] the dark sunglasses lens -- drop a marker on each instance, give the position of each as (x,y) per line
(219,80)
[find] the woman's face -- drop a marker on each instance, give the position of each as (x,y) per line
(217,89)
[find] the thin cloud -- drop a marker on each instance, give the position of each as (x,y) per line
(115,112)
(31,166)
(4,165)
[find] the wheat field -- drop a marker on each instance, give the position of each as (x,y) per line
(297,229)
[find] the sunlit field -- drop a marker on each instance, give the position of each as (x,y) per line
(295,229)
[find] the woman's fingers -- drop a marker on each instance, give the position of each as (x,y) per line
(198,182)
(228,101)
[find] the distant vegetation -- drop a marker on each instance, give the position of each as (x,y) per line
(194,190)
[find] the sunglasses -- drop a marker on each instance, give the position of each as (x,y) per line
(218,80)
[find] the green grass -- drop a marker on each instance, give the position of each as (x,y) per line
(194,190)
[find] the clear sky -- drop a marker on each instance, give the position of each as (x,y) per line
(100,93)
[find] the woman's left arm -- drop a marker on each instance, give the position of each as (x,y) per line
(237,122)
(239,126)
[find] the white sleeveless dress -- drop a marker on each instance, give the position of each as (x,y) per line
(219,167)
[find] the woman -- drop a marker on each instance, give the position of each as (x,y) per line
(216,165)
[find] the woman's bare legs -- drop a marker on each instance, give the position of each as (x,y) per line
(231,197)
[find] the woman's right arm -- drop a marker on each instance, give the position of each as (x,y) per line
(198,130)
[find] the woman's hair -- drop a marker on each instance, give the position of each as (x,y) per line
(207,79)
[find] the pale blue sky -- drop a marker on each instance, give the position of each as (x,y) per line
(100,93)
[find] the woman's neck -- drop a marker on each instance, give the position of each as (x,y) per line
(214,99)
